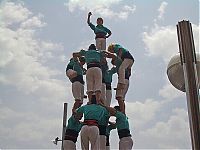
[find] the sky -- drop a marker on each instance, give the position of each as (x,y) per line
(37,39)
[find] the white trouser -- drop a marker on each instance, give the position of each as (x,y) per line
(122,92)
(103,92)
(101,43)
(102,142)
(108,97)
(90,134)
(125,143)
(94,79)
(69,145)
(78,90)
(127,63)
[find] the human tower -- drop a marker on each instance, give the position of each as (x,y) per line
(96,127)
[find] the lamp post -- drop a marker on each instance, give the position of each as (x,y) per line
(64,125)
(184,73)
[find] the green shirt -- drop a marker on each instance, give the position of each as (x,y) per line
(121,121)
(108,129)
(99,29)
(92,112)
(117,47)
(75,65)
(108,75)
(74,124)
(105,118)
(91,55)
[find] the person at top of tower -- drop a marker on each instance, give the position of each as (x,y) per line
(94,73)
(100,31)
(127,62)
(74,72)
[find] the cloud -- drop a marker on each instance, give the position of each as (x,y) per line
(162,41)
(142,113)
(37,91)
(170,134)
(105,8)
(161,9)
(33,22)
(13,13)
(27,127)
(168,92)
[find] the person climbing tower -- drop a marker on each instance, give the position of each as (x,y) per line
(94,73)
(74,72)
(109,127)
(104,68)
(101,32)
(120,92)
(108,81)
(127,62)
(72,131)
(93,114)
(122,125)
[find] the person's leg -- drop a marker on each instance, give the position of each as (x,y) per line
(107,147)
(108,97)
(97,83)
(107,143)
(102,142)
(98,97)
(77,93)
(121,104)
(127,63)
(84,137)
(76,105)
(69,145)
(119,98)
(82,92)
(125,143)
(98,43)
(94,137)
(103,93)
(103,44)
(125,90)
(90,83)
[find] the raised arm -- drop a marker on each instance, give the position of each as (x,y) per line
(109,55)
(88,19)
(111,110)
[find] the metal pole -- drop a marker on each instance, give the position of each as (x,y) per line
(188,60)
(64,124)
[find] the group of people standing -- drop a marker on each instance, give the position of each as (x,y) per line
(96,127)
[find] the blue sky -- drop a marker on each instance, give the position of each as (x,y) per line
(37,40)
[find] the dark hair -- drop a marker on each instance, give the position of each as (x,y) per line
(92,47)
(82,59)
(100,19)
(117,108)
(93,100)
